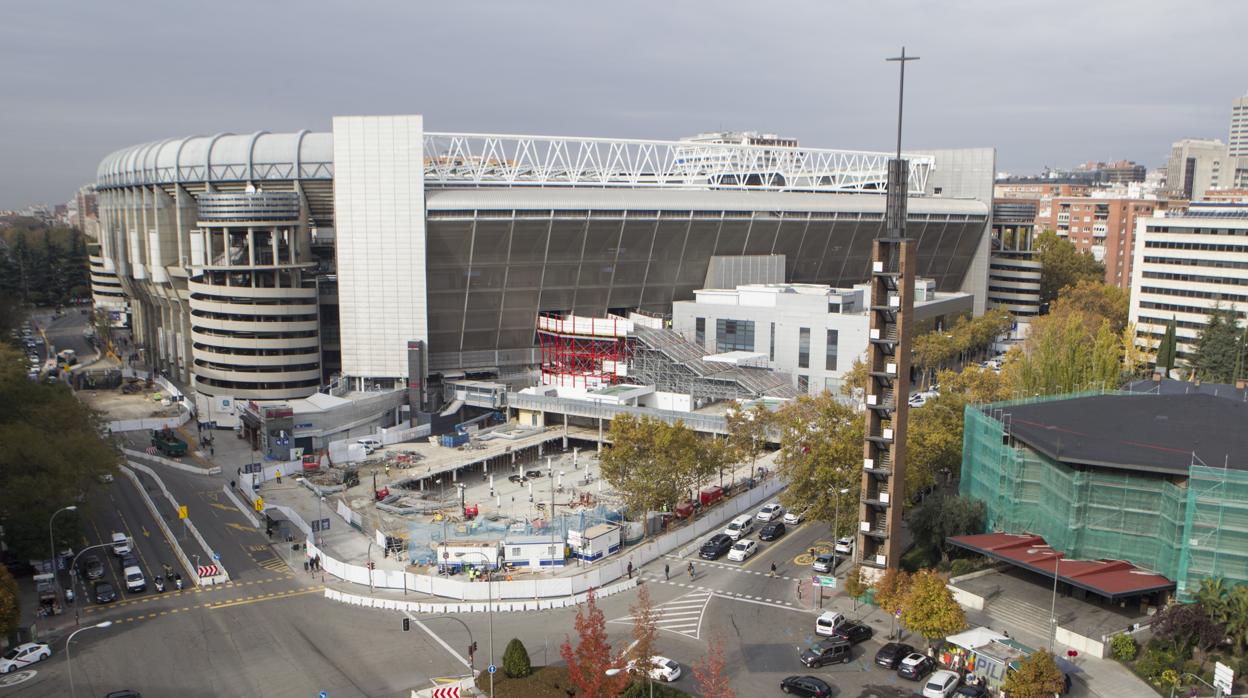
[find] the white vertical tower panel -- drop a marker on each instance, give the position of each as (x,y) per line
(379,216)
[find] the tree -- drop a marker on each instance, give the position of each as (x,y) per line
(1037,676)
(748,433)
(1056,358)
(891,590)
(1187,626)
(929,608)
(1217,350)
(941,516)
(1237,617)
(1062,265)
(1166,350)
(589,661)
(645,632)
(10,603)
(1212,596)
(855,585)
(1097,300)
(654,465)
(516,663)
(710,672)
(820,452)
(855,379)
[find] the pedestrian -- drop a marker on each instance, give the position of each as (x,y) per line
(279,477)
(212,450)
(630,569)
(306,566)
(240,472)
(691,571)
(799,590)
(666,572)
(773,569)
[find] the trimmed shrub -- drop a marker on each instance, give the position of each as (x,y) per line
(960,567)
(516,662)
(1154,661)
(1123,648)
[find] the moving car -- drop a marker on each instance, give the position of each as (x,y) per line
(769,512)
(844,547)
(890,655)
(832,651)
(794,518)
(661,669)
(104,592)
(854,631)
(715,547)
(739,526)
(772,531)
(92,566)
(121,544)
(742,549)
(806,686)
(941,684)
(23,656)
(915,666)
(824,562)
(828,622)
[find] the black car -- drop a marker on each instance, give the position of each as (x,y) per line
(808,686)
(971,692)
(890,655)
(854,631)
(915,666)
(772,531)
(93,567)
(715,547)
(831,651)
(104,592)
(129,560)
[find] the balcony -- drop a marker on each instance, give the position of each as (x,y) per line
(882,466)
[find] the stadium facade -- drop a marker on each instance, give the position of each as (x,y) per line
(262,266)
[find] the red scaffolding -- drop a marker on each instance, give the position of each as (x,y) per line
(583,352)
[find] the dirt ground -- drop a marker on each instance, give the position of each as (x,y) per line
(116,405)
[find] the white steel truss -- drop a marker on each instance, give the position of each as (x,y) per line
(490,160)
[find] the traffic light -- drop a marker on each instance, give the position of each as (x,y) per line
(407,624)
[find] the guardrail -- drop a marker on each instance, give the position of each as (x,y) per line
(476,607)
(221,578)
(580,408)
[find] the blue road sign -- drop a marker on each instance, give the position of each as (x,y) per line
(324,694)
(216,556)
(493,668)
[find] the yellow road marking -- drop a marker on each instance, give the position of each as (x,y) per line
(240,527)
(226,507)
(284,595)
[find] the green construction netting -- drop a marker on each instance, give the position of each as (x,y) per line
(1107,514)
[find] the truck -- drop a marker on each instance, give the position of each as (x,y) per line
(168,443)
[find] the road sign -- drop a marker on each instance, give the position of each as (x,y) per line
(208,570)
(493,668)
(259,503)
(216,556)
(324,524)
(316,525)
(324,694)
(446,692)
(446,555)
(182,512)
(823,581)
(1223,677)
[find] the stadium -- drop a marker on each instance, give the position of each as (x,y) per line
(263,266)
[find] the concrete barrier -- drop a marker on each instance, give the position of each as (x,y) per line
(210,556)
(170,463)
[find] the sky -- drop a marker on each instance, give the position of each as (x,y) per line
(1054,83)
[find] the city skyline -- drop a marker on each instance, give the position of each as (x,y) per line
(807,72)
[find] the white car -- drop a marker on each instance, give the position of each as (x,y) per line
(742,549)
(661,669)
(369,445)
(793,518)
(941,684)
(770,511)
(844,546)
(121,544)
(24,655)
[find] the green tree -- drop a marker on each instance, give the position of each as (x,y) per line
(941,516)
(820,452)
(1217,350)
(592,657)
(891,590)
(1212,596)
(1123,647)
(1166,350)
(516,663)
(1237,617)
(1096,299)
(1062,265)
(1037,676)
(855,585)
(10,603)
(654,465)
(1055,358)
(929,608)
(748,433)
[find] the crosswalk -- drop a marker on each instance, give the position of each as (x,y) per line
(733,566)
(682,615)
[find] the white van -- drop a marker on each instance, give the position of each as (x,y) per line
(369,445)
(121,544)
(134,579)
(827,623)
(739,526)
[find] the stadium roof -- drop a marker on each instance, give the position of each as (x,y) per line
(1152,433)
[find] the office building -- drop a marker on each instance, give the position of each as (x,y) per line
(1105,227)
(1197,165)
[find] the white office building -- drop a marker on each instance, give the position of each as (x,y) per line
(1185,265)
(811,331)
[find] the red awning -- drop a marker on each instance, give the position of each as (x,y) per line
(1112,579)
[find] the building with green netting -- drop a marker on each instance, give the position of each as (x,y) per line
(1160,481)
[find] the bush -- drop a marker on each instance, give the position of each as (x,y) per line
(516,662)
(919,558)
(639,689)
(1154,661)
(1123,648)
(961,566)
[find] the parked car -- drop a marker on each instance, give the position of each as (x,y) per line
(121,544)
(941,684)
(104,592)
(794,518)
(972,692)
(92,567)
(806,686)
(772,531)
(106,478)
(770,511)
(890,655)
(740,526)
(832,651)
(854,631)
(369,445)
(129,561)
(715,547)
(661,669)
(742,549)
(824,562)
(828,622)
(124,693)
(915,666)
(844,547)
(134,579)
(23,656)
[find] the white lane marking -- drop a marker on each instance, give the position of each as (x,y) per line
(437,639)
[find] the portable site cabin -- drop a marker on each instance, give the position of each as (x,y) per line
(595,542)
(458,555)
(533,551)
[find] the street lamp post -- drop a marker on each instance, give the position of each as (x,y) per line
(69,667)
(489,590)
(52,548)
(836,518)
(73,567)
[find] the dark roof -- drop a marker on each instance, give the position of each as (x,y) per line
(1170,386)
(1112,579)
(1155,433)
